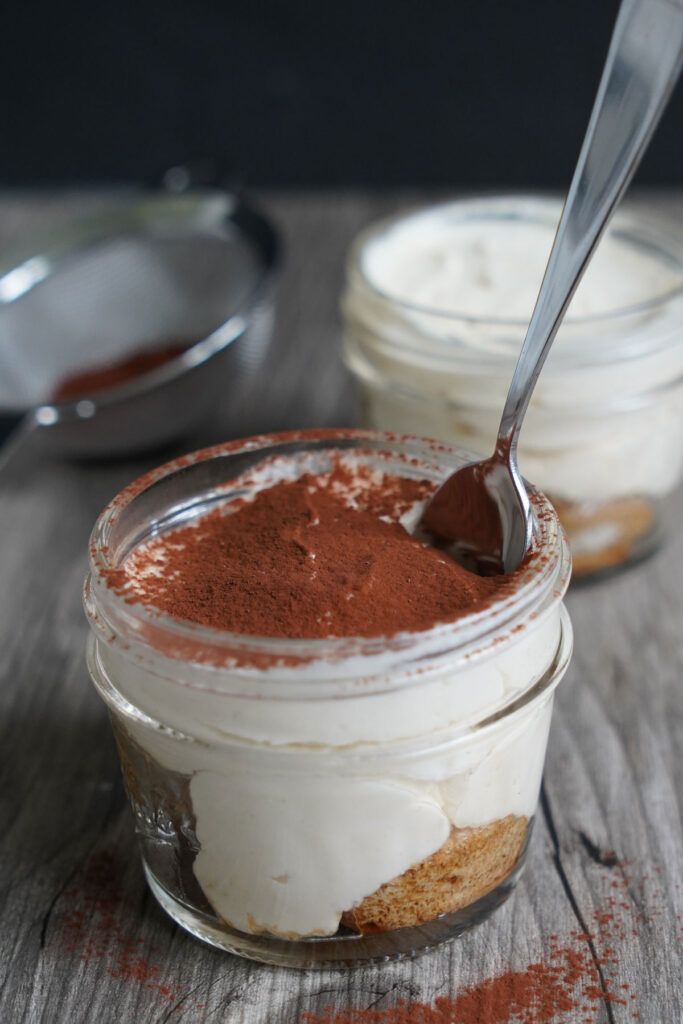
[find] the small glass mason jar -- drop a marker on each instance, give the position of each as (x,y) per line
(436,307)
(340,801)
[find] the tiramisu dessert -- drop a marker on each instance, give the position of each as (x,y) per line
(331,733)
(436,308)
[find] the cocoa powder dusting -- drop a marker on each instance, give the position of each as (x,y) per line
(96,927)
(321,556)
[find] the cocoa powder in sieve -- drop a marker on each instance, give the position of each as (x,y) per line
(101,378)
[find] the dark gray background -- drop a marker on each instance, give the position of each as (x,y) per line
(293,93)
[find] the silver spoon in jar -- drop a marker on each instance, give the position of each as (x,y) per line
(483,509)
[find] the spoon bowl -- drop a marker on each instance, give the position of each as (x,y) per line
(484,513)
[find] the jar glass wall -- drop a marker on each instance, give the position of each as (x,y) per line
(431,340)
(305,802)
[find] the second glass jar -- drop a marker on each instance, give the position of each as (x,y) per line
(436,307)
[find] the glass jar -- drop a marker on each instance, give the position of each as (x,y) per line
(436,307)
(307,802)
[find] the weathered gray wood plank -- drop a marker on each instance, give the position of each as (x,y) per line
(81,938)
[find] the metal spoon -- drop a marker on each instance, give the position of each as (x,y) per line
(484,508)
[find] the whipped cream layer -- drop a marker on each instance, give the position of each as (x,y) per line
(583,455)
(436,309)
(474,259)
(313,784)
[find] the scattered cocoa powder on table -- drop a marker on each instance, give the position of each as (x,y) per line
(566,989)
(542,993)
(93,924)
(94,928)
(577,978)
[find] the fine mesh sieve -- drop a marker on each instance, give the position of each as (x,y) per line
(185,270)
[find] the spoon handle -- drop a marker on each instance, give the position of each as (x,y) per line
(643,63)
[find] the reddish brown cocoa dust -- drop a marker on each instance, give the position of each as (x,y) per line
(94,924)
(299,560)
(80,385)
(580,974)
(96,927)
(565,989)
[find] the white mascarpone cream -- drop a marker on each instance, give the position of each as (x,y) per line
(436,308)
(313,784)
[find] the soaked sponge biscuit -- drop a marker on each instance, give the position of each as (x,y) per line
(471,863)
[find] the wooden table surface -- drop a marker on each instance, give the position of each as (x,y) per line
(81,937)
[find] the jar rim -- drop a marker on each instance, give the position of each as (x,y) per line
(628,223)
(545,578)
